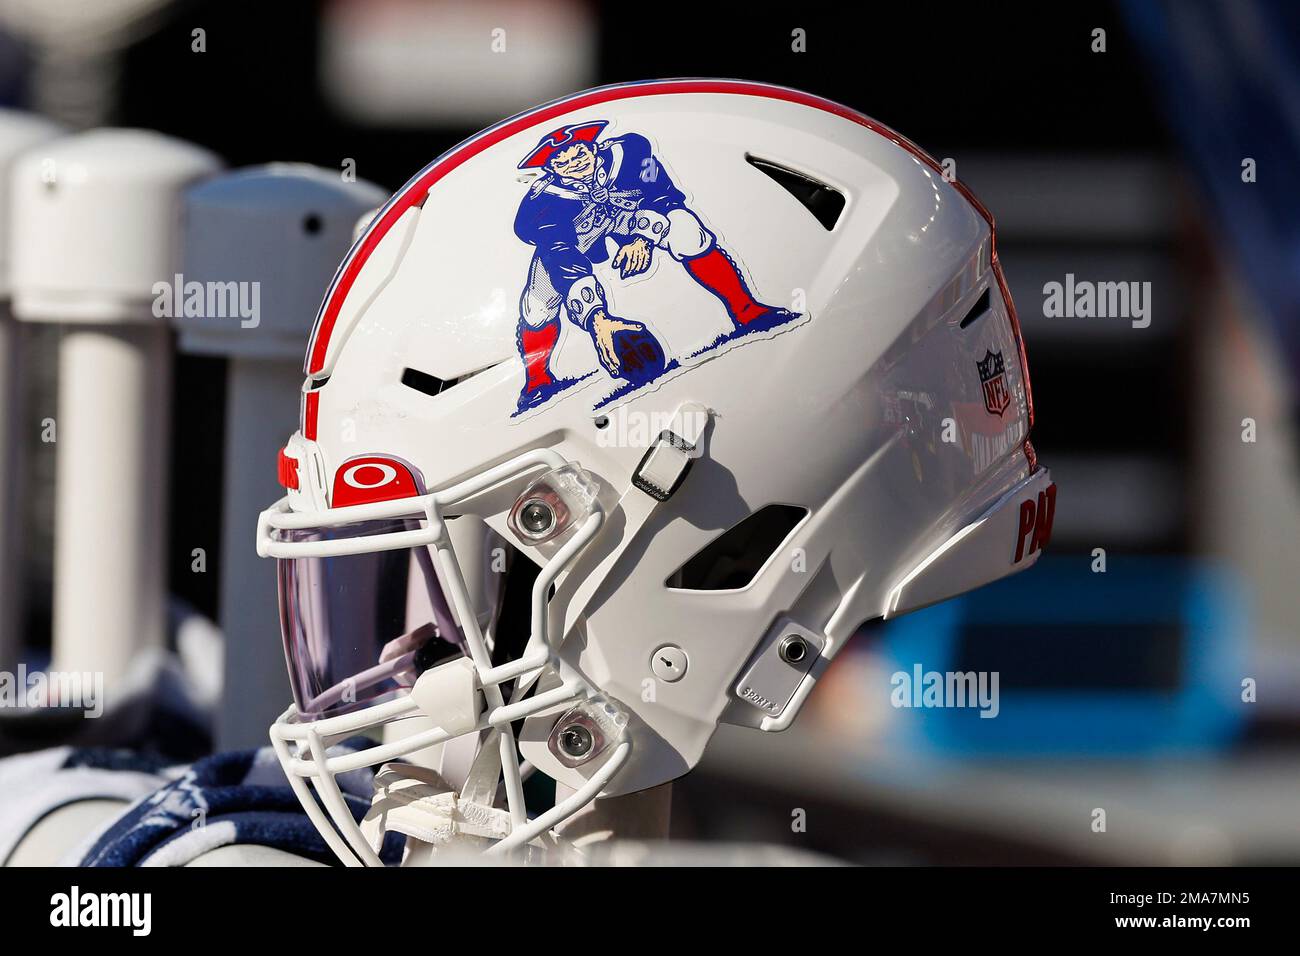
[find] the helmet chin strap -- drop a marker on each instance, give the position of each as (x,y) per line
(443,825)
(473,540)
(481,784)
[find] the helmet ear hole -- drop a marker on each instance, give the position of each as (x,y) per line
(733,559)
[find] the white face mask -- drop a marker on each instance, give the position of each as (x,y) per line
(380,625)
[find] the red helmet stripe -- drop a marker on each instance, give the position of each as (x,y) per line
(310,413)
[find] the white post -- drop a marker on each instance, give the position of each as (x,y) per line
(19,132)
(93,233)
(277,233)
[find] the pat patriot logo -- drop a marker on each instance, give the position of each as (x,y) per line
(612,201)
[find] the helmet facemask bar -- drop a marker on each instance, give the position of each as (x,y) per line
(313,737)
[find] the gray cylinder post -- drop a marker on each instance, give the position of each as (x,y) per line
(19,132)
(277,233)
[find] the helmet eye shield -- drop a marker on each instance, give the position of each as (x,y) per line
(372,595)
(360,628)
(362,655)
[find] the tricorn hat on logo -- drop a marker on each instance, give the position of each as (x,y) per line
(560,139)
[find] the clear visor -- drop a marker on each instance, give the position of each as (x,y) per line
(359,629)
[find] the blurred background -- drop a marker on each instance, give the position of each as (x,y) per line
(1149,666)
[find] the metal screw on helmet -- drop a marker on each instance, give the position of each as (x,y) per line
(576,741)
(793,649)
(536,517)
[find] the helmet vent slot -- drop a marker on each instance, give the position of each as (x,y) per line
(823,201)
(422,381)
(734,559)
(977,311)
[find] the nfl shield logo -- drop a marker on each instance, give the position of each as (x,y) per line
(993,378)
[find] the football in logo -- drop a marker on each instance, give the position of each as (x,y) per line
(640,356)
(994,379)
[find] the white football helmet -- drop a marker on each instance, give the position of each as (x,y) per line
(711,372)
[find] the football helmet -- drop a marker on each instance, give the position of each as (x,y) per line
(620,418)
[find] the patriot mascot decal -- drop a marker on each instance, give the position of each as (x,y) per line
(613,201)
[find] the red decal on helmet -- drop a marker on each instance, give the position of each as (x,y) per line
(287,470)
(1031,456)
(1036,523)
(373,478)
(310,413)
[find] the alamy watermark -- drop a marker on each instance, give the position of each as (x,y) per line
(922,688)
(38,689)
(1083,299)
(133,911)
(637,429)
(179,299)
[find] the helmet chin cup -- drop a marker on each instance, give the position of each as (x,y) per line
(553,503)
